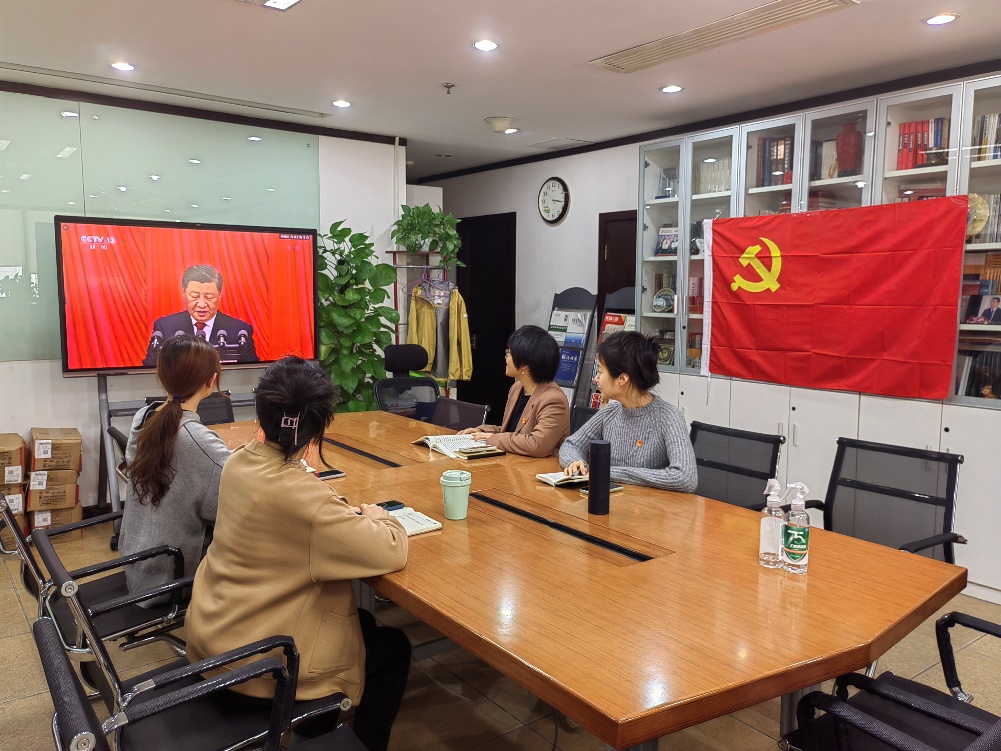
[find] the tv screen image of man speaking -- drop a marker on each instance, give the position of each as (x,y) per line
(201,290)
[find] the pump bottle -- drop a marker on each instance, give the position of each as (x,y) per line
(771,527)
(796,532)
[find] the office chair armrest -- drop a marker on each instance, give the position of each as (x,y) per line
(170,588)
(942,627)
(915,703)
(930,542)
(848,714)
(281,710)
(125,560)
(94,520)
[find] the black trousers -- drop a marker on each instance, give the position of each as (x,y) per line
(387,667)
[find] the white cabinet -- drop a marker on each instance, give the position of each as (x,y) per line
(763,408)
(669,387)
(705,399)
(816,420)
(903,422)
(972,432)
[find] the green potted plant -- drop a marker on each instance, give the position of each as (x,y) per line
(353,323)
(422,228)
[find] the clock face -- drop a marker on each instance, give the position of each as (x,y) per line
(554,200)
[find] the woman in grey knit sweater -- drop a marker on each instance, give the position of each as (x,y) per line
(649,437)
(173,464)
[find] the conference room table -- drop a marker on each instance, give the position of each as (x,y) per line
(638,623)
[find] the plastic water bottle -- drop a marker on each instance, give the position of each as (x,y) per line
(771,528)
(796,533)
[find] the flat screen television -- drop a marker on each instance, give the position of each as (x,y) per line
(127,286)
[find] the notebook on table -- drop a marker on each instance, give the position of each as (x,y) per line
(415,522)
(450,444)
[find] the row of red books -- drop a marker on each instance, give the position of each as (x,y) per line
(922,142)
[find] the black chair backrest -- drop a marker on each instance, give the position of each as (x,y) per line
(579,416)
(410,397)
(457,415)
(215,409)
(734,465)
(892,495)
(75,722)
(402,358)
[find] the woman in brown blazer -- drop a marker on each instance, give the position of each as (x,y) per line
(537,414)
(285,550)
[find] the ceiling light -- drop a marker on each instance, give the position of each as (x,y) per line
(941,19)
(67,113)
(91,196)
(26,176)
(271,190)
(254,138)
(341,103)
(485,45)
(122,188)
(671,89)
(195,161)
(498,123)
(194,205)
(226,198)
(66,152)
(710,160)
(5,190)
(154,178)
(72,203)
(280,4)
(510,131)
(4,144)
(123,66)
(166,211)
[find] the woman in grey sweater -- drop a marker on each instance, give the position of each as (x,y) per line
(173,465)
(649,437)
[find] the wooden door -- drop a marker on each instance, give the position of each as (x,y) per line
(616,253)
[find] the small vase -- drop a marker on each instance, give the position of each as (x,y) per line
(849,145)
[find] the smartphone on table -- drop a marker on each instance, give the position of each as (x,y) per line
(329,474)
(612,488)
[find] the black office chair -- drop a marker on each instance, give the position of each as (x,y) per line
(734,465)
(892,495)
(202,724)
(890,712)
(214,409)
(458,415)
(403,394)
(579,416)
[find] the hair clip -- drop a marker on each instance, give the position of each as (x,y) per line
(291,423)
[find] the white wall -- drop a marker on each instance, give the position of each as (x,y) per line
(361,182)
(418,195)
(551,258)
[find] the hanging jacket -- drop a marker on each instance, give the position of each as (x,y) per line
(423,330)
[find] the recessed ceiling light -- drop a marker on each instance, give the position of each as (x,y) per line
(166,211)
(122,188)
(195,161)
(4,144)
(72,203)
(510,131)
(194,205)
(941,19)
(280,4)
(671,89)
(91,196)
(154,178)
(26,176)
(226,198)
(341,103)
(67,113)
(254,138)
(66,152)
(710,160)
(123,66)
(485,45)
(271,190)
(5,190)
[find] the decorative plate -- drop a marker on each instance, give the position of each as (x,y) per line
(977,215)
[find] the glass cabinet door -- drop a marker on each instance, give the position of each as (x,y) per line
(978,359)
(917,145)
(713,158)
(839,157)
(662,173)
(770,168)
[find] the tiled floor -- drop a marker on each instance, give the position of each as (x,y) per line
(454,701)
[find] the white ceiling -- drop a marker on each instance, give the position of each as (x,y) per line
(389,58)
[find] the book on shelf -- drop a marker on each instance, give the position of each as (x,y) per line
(988,286)
(820,200)
(667,241)
(922,143)
(449,444)
(824,160)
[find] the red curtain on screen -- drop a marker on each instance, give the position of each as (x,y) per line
(854,299)
(115,290)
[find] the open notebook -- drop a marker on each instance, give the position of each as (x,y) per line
(415,522)
(450,444)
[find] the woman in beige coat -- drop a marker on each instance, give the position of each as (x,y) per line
(285,550)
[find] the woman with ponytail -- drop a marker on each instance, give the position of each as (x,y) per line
(173,463)
(285,549)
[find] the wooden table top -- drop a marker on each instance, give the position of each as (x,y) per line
(634,650)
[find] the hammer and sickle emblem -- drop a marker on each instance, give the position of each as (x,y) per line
(769,277)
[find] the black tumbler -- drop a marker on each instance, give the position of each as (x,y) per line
(599,467)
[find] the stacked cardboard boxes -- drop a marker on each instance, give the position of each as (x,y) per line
(53,483)
(13,454)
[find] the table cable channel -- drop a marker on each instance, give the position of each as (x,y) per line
(366,454)
(586,537)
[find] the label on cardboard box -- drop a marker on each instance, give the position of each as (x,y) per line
(43,449)
(12,475)
(39,480)
(15,502)
(42,519)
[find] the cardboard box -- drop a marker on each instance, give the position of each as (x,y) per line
(13,453)
(14,495)
(7,537)
(46,478)
(56,518)
(54,497)
(56,448)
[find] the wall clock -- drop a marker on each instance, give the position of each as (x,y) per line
(554,200)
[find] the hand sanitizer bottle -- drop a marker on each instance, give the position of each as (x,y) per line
(771,527)
(796,532)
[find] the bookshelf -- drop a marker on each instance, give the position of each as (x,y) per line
(771,166)
(838,155)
